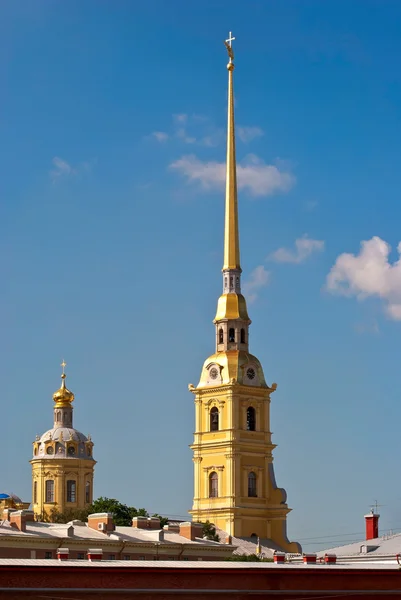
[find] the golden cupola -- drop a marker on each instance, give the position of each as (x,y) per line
(63,397)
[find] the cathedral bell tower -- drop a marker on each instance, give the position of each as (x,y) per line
(62,462)
(235,487)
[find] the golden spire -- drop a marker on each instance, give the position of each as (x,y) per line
(63,396)
(231,236)
(231,304)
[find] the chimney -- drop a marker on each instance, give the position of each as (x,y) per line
(309,558)
(154,522)
(191,530)
(101,522)
(19,519)
(372,526)
(140,522)
(172,528)
(7,513)
(63,553)
(95,554)
(278,557)
(330,559)
(146,522)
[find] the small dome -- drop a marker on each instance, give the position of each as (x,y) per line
(61,448)
(63,434)
(63,395)
(5,496)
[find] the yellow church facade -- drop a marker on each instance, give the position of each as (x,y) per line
(62,462)
(234,482)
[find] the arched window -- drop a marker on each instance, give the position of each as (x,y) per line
(35,492)
(213,485)
(221,336)
(49,490)
(242,336)
(250,419)
(252,485)
(71,491)
(88,492)
(214,419)
(231,335)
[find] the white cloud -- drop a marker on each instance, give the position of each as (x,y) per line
(304,247)
(180,118)
(252,174)
(247,134)
(198,129)
(61,168)
(367,327)
(160,136)
(258,279)
(183,135)
(213,138)
(369,274)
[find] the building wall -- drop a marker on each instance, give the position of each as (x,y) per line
(60,471)
(49,550)
(192,582)
(233,453)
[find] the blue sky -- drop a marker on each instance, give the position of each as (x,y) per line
(112,121)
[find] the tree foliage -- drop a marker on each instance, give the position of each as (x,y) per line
(122,514)
(209,532)
(248,558)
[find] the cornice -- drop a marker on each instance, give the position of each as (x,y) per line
(234,388)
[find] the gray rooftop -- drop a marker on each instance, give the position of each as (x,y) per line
(387,545)
(80,531)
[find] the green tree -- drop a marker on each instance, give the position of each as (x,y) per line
(122,514)
(163,520)
(209,532)
(248,558)
(70,514)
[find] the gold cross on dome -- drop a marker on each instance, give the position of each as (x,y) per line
(63,364)
(228,45)
(230,39)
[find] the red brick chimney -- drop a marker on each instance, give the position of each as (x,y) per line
(101,522)
(63,553)
(372,525)
(19,519)
(191,530)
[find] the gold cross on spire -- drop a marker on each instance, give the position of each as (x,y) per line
(228,45)
(63,365)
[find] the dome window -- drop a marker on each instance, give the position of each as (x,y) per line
(71,491)
(50,490)
(50,450)
(88,492)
